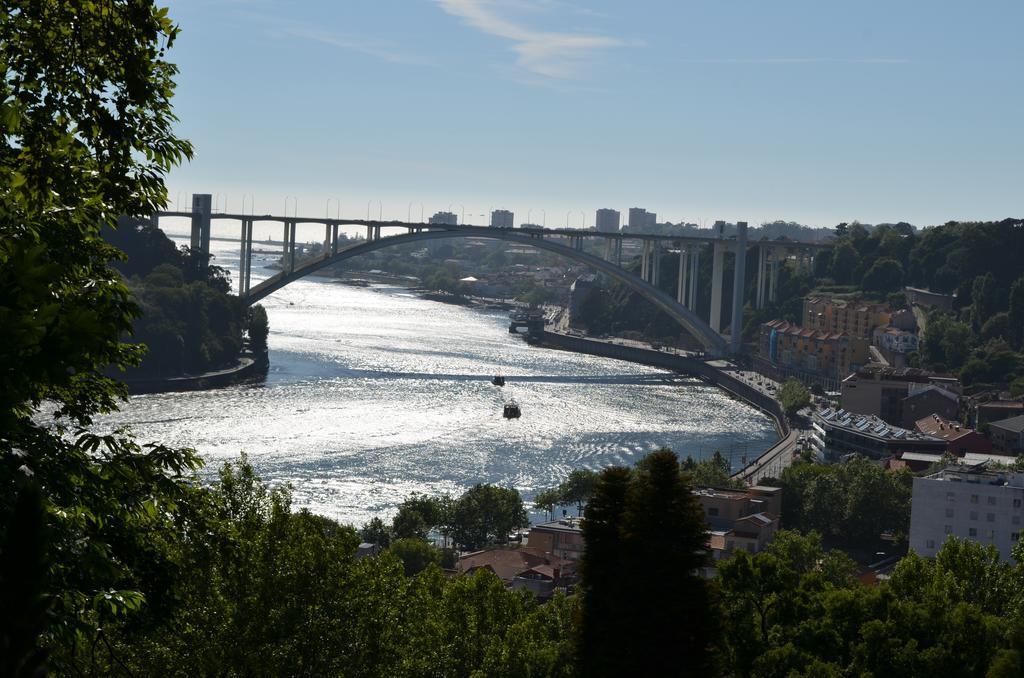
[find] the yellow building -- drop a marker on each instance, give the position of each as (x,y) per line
(854,317)
(813,356)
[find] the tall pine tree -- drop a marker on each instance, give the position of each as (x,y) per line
(646,609)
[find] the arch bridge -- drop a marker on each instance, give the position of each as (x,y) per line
(565,242)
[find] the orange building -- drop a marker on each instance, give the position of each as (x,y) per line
(835,316)
(813,356)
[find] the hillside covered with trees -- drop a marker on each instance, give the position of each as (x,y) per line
(189,321)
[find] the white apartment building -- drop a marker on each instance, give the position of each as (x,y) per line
(969,503)
(502,219)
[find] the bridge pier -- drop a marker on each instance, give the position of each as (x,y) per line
(245,260)
(694,277)
(717,273)
(773,277)
(202,206)
(738,285)
(681,276)
(656,263)
(644,260)
(759,295)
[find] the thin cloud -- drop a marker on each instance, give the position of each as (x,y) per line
(546,53)
(378,49)
(798,60)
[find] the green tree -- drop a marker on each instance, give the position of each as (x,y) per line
(884,276)
(793,396)
(845,262)
(1015,314)
(547,500)
(258,329)
(415,555)
(376,532)
(983,299)
(649,520)
(577,488)
(87,124)
(486,514)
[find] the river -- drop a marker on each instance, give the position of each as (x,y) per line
(374,393)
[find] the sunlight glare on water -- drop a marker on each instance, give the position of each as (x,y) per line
(374,393)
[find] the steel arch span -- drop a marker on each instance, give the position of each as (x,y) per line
(711,340)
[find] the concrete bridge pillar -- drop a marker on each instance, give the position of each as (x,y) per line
(655,262)
(644,257)
(717,273)
(682,274)
(773,278)
(245,259)
(618,252)
(738,284)
(694,277)
(202,205)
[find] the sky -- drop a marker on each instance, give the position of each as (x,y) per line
(805,110)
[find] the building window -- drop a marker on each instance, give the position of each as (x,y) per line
(949,513)
(1015,520)
(991,501)
(991,534)
(1015,536)
(973,532)
(974,499)
(974,515)
(930,543)
(1016,503)
(990,517)
(949,529)
(951,496)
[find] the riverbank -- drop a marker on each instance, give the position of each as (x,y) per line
(249,368)
(700,369)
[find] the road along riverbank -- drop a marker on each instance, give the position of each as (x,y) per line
(695,368)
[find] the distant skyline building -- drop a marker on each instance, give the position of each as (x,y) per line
(502,219)
(444,218)
(640,218)
(607,220)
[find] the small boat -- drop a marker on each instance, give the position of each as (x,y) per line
(511,410)
(498,380)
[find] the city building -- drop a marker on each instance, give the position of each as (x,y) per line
(969,503)
(880,390)
(525,567)
(502,219)
(562,538)
(893,340)
(446,218)
(961,440)
(852,316)
(640,220)
(1008,435)
(927,401)
(607,220)
(838,432)
(739,520)
(996,410)
(814,357)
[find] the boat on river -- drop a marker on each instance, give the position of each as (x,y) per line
(511,410)
(498,380)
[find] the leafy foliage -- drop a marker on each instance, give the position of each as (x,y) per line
(793,396)
(850,503)
(647,521)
